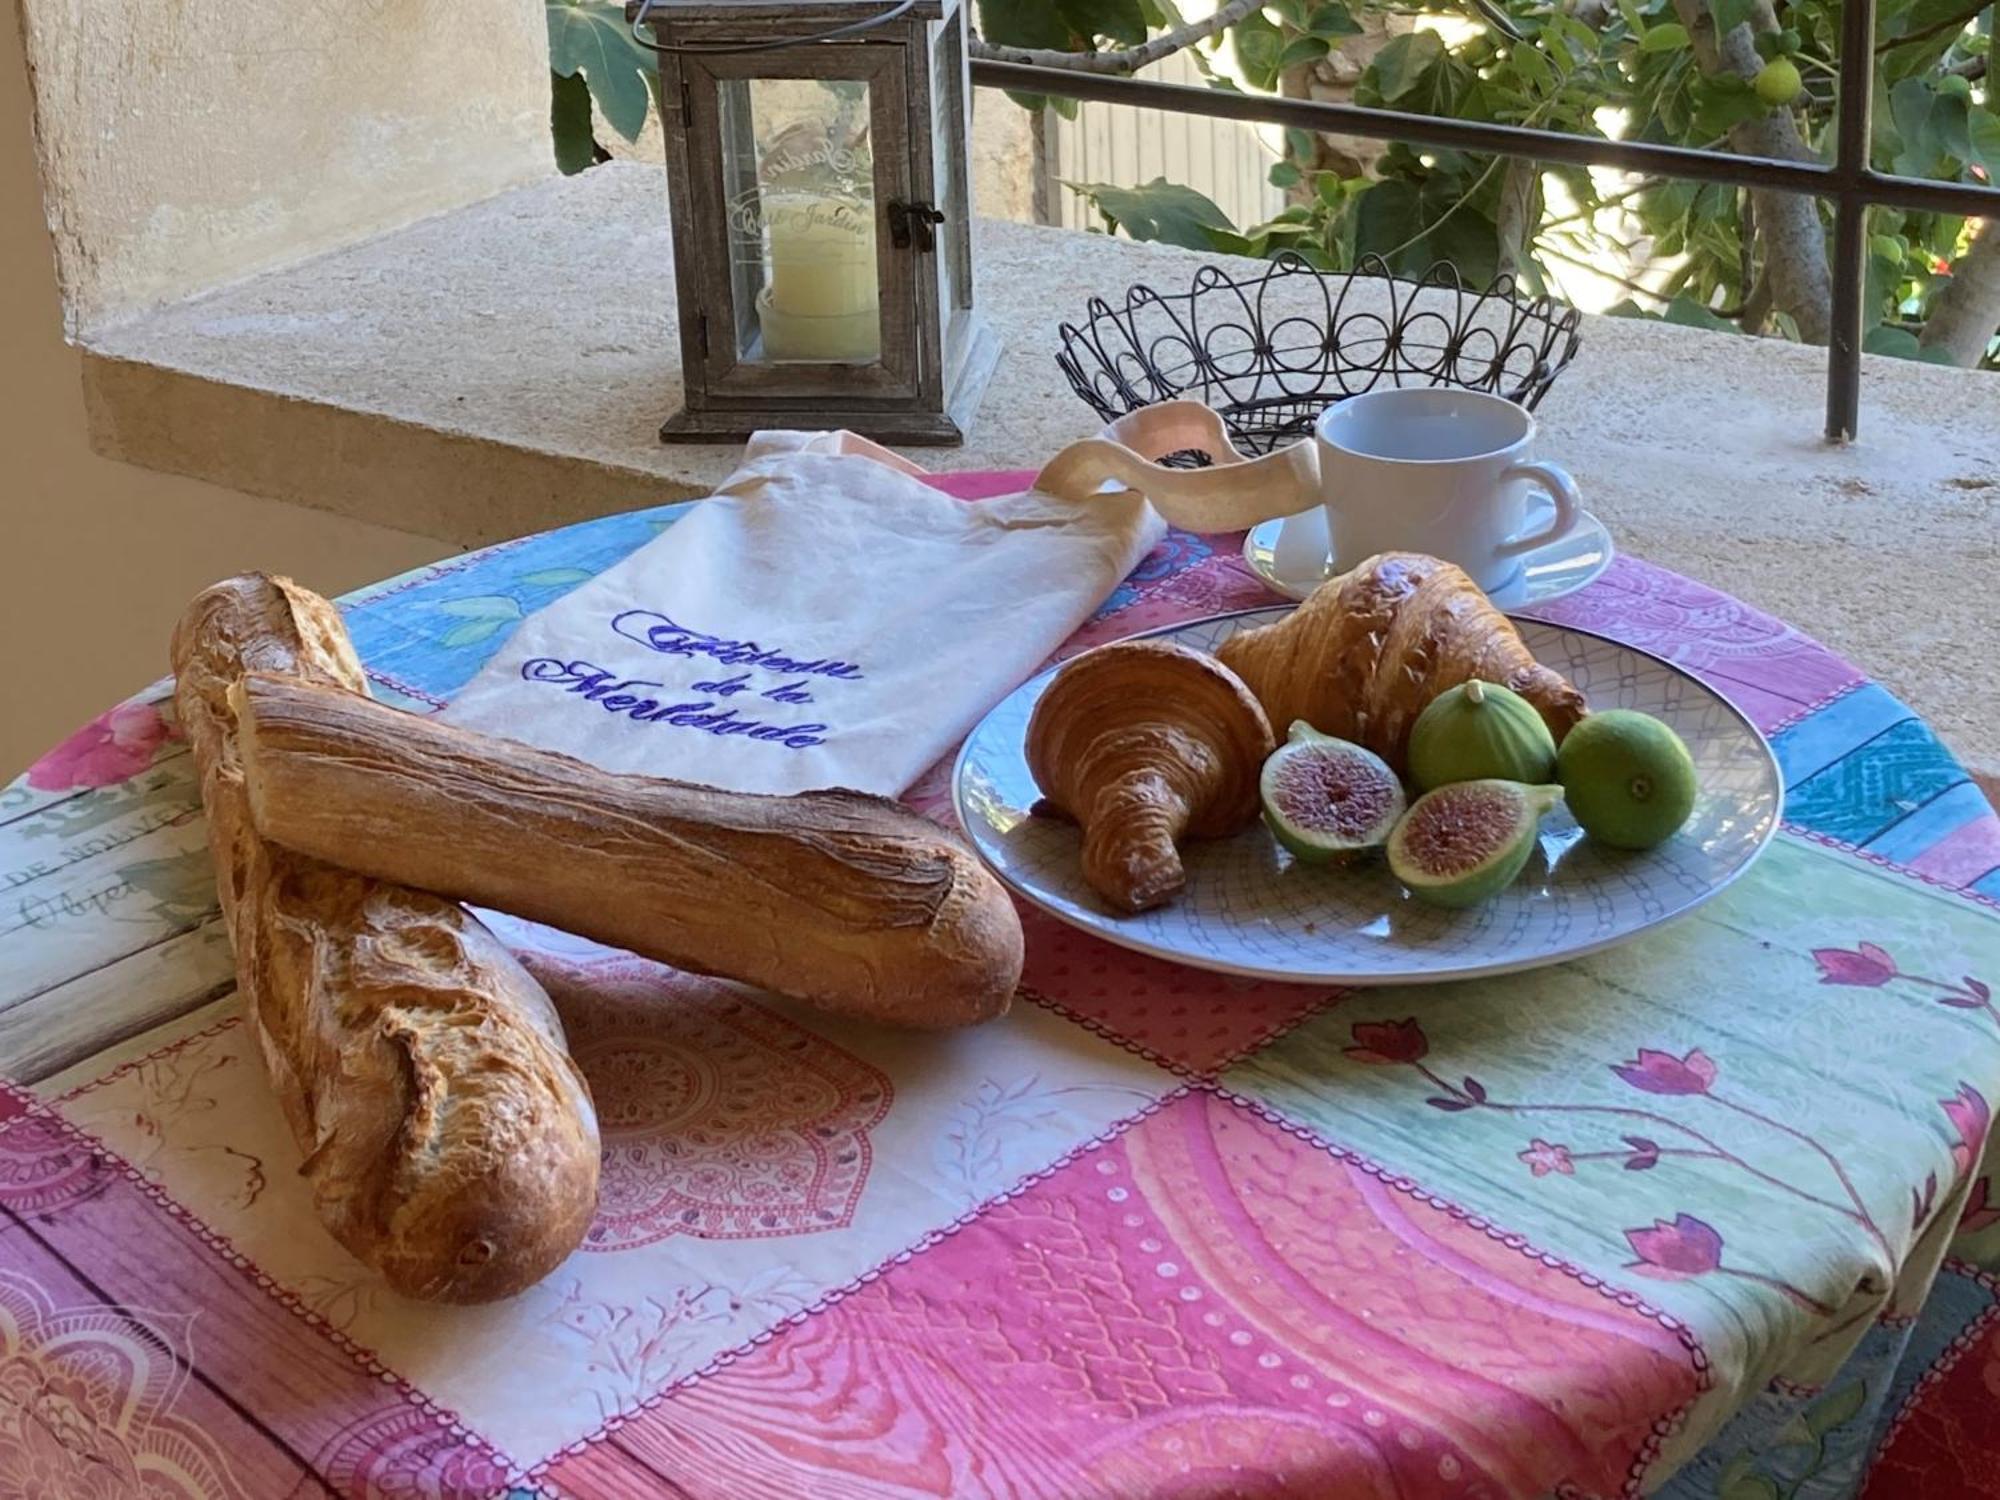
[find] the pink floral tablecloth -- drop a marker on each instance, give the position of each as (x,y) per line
(1709,1214)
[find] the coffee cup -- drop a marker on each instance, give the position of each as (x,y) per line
(1441,471)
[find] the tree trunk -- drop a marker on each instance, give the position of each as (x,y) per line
(1795,264)
(1331,80)
(1965,315)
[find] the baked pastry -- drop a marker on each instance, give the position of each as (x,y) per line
(1365,654)
(448,1139)
(1146,743)
(849,902)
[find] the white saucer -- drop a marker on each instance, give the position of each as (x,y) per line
(1562,567)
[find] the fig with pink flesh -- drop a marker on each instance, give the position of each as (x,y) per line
(1465,843)
(1327,799)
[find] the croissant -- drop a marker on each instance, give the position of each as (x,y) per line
(1368,650)
(1146,743)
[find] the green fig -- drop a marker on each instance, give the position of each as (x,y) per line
(1629,779)
(1479,731)
(1326,799)
(1463,843)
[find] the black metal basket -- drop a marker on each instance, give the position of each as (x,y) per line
(1272,351)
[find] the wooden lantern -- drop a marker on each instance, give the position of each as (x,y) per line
(816,173)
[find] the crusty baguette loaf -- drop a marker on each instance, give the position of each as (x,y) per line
(849,902)
(449,1140)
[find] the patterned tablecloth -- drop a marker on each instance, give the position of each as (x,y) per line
(1709,1212)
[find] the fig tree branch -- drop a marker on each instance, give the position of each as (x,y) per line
(1124,59)
(1795,264)
(1925,33)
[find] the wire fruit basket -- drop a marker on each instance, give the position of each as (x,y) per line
(1271,351)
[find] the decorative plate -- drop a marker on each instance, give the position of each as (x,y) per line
(1249,909)
(1562,567)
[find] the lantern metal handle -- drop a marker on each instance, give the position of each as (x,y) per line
(851,28)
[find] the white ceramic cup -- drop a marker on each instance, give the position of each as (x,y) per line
(1440,471)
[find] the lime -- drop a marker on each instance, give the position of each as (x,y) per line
(1778,83)
(1627,777)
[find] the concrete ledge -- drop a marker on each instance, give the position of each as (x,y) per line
(504,368)
(460,487)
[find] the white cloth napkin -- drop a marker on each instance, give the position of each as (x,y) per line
(825,620)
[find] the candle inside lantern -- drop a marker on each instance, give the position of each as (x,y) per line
(823,300)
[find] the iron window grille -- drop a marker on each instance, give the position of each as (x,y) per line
(1852,185)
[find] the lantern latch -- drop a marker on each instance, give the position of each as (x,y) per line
(914,224)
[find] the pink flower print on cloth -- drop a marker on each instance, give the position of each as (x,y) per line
(1868,966)
(111,748)
(1388,1042)
(1688,1247)
(1674,1252)
(1663,1073)
(1969,1116)
(1544,1157)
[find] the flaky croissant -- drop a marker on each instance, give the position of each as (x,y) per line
(1146,743)
(1364,655)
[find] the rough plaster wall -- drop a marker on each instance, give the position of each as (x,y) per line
(97,558)
(184,143)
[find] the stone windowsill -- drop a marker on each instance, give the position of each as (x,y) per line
(505,367)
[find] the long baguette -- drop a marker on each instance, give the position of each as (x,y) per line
(448,1138)
(846,901)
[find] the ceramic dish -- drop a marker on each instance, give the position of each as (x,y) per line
(1248,909)
(1562,567)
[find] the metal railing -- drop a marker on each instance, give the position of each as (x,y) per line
(1848,180)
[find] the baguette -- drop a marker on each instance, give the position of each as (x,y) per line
(849,902)
(449,1141)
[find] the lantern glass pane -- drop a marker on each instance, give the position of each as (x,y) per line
(948,137)
(798,168)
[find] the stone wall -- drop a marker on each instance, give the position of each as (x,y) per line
(187,142)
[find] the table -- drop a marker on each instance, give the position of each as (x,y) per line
(1710,1212)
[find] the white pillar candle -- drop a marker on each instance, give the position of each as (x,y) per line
(824,298)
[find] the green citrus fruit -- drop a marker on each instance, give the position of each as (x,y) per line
(1627,777)
(1778,83)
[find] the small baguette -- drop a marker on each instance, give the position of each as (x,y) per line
(849,902)
(449,1141)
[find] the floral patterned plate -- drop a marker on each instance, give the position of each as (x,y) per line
(1249,909)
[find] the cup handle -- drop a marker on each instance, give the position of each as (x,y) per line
(1561,489)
